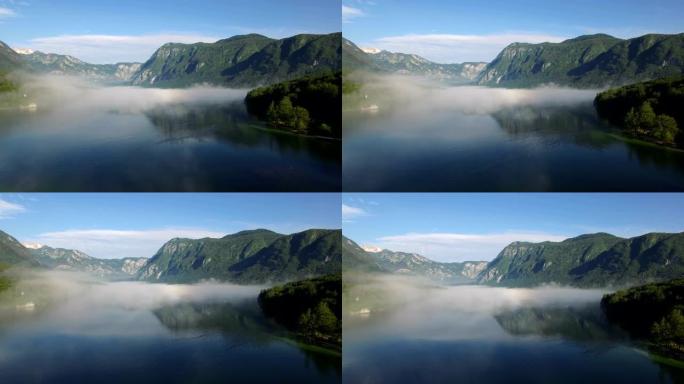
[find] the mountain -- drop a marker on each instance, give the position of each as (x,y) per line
(13,253)
(241,61)
(74,260)
(410,64)
(68,65)
(356,259)
(417,265)
(355,58)
(591,61)
(595,260)
(9,59)
(254,256)
(360,259)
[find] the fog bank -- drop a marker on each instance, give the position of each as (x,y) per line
(73,94)
(410,95)
(78,303)
(422,310)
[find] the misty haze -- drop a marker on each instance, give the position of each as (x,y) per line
(404,133)
(73,327)
(87,137)
(408,330)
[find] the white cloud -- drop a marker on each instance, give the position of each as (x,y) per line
(112,48)
(113,243)
(451,48)
(349,212)
(460,246)
(8,209)
(350,13)
(6,12)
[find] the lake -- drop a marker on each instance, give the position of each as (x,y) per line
(133,139)
(479,139)
(154,333)
(491,335)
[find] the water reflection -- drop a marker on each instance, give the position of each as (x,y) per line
(519,148)
(174,147)
(86,331)
(493,335)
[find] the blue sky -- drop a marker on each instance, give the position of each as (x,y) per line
(457,227)
(123,225)
(458,30)
(105,31)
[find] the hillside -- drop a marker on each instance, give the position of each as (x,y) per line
(308,105)
(596,260)
(312,308)
(591,61)
(255,256)
(13,253)
(652,313)
(241,61)
(650,110)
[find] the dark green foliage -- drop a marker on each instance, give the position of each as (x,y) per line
(6,85)
(309,105)
(314,252)
(651,109)
(5,281)
(242,61)
(587,61)
(652,312)
(312,308)
(255,256)
(597,260)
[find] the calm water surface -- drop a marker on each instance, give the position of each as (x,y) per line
(514,149)
(170,148)
(123,333)
(488,335)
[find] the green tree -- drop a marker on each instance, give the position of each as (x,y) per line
(647,117)
(665,128)
(670,327)
(632,121)
(272,114)
(325,318)
(286,112)
(302,118)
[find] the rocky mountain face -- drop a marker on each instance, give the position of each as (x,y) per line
(415,264)
(13,253)
(369,259)
(55,64)
(591,61)
(74,260)
(355,58)
(255,256)
(9,59)
(241,61)
(595,260)
(409,64)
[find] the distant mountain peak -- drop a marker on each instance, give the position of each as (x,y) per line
(371,50)
(24,51)
(371,248)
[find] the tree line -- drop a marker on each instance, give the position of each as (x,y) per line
(649,110)
(307,105)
